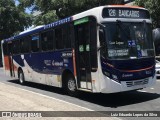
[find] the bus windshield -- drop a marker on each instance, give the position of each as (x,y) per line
(128,40)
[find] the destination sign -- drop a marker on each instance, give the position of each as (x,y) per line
(125,13)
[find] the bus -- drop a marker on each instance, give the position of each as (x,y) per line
(107,49)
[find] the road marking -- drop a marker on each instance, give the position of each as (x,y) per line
(152,88)
(142,91)
(111,118)
(51,98)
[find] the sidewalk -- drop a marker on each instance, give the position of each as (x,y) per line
(16,99)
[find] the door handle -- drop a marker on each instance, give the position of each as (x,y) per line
(83,68)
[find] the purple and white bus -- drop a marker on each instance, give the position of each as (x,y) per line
(106,49)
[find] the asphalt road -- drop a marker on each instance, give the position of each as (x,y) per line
(147,99)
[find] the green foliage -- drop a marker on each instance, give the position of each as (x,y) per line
(52,10)
(154,8)
(66,8)
(12,19)
(45,18)
(25,4)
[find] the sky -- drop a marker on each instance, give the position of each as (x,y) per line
(16,2)
(27,10)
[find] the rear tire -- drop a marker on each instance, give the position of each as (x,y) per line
(71,86)
(21,77)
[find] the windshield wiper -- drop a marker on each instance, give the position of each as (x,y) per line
(119,23)
(144,22)
(101,25)
(102,46)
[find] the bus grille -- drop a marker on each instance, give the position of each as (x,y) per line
(138,82)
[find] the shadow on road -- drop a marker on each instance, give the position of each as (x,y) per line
(119,99)
(107,100)
(39,86)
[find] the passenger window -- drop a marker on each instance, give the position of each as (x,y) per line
(16,47)
(65,39)
(58,38)
(69,36)
(5,49)
(25,45)
(35,45)
(47,40)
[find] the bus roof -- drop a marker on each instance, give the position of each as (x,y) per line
(94,11)
(126,6)
(39,29)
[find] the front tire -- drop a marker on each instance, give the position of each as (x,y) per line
(71,86)
(21,78)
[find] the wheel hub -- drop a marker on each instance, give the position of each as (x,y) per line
(71,85)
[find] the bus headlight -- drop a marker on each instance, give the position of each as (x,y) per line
(114,77)
(107,74)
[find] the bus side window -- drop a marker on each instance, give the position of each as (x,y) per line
(71,36)
(16,47)
(50,36)
(44,42)
(5,49)
(25,44)
(35,45)
(47,40)
(64,35)
(67,36)
(58,38)
(10,47)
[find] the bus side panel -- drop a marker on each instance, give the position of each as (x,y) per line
(46,67)
(6,65)
(50,66)
(17,62)
(10,67)
(32,73)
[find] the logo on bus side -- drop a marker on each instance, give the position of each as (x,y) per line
(57,64)
(127,75)
(47,62)
(53,63)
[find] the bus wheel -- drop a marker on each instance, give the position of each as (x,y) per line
(21,77)
(71,86)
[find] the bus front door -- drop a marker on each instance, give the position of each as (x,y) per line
(83,65)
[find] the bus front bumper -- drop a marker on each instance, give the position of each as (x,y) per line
(114,87)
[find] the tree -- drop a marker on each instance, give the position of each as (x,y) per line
(12,19)
(71,7)
(154,8)
(52,10)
